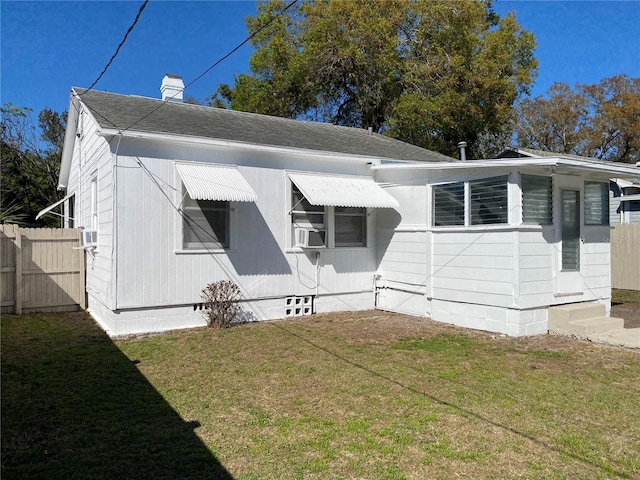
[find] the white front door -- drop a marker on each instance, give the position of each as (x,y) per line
(568,220)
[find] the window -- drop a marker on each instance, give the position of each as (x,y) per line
(350,227)
(596,203)
(205,224)
(70,213)
(311,217)
(448,204)
(94,203)
(349,223)
(537,200)
(488,201)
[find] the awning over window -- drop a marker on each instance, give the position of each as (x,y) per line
(342,191)
(52,206)
(629,198)
(215,182)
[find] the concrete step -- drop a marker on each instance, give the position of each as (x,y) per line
(627,337)
(560,315)
(589,326)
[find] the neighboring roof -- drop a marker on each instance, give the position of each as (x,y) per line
(215,182)
(519,152)
(119,112)
(342,191)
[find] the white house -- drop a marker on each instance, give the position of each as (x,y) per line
(308,217)
(624,195)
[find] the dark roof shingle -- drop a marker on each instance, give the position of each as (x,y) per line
(115,111)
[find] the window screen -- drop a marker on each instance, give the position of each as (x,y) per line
(205,224)
(350,227)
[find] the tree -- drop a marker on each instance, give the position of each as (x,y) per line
(30,162)
(430,72)
(600,121)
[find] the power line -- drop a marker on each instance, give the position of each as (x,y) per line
(235,49)
(129,30)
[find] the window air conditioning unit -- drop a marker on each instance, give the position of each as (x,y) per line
(89,238)
(310,237)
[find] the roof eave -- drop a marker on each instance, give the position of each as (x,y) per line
(69,141)
(181,138)
(610,169)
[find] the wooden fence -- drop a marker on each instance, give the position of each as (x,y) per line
(625,256)
(40,270)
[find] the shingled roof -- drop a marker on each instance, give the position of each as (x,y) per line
(120,112)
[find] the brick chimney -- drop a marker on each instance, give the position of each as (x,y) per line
(172,87)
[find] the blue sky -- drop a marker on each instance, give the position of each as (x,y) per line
(47,47)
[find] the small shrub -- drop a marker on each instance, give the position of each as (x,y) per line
(221,301)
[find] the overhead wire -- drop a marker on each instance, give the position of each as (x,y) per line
(124,39)
(215,64)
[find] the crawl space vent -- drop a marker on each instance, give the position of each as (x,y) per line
(298,306)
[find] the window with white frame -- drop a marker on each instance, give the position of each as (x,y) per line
(596,203)
(487,202)
(348,225)
(70,212)
(537,200)
(205,224)
(448,204)
(94,203)
(310,217)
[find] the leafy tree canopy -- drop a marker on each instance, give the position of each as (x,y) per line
(30,162)
(600,121)
(430,72)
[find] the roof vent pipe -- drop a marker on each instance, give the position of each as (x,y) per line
(370,130)
(463,153)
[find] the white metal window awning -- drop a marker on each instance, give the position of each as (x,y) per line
(52,206)
(215,182)
(342,191)
(629,198)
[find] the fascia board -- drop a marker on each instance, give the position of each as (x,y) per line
(610,169)
(69,141)
(106,132)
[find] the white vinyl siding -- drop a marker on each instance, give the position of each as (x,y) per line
(537,200)
(596,203)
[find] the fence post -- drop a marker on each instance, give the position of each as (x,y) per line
(19,292)
(82,259)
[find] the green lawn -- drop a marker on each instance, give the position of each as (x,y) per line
(368,395)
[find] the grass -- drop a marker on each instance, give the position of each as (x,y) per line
(625,296)
(366,395)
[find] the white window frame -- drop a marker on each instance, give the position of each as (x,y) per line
(549,207)
(468,203)
(603,205)
(329,222)
(93,203)
(180,248)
